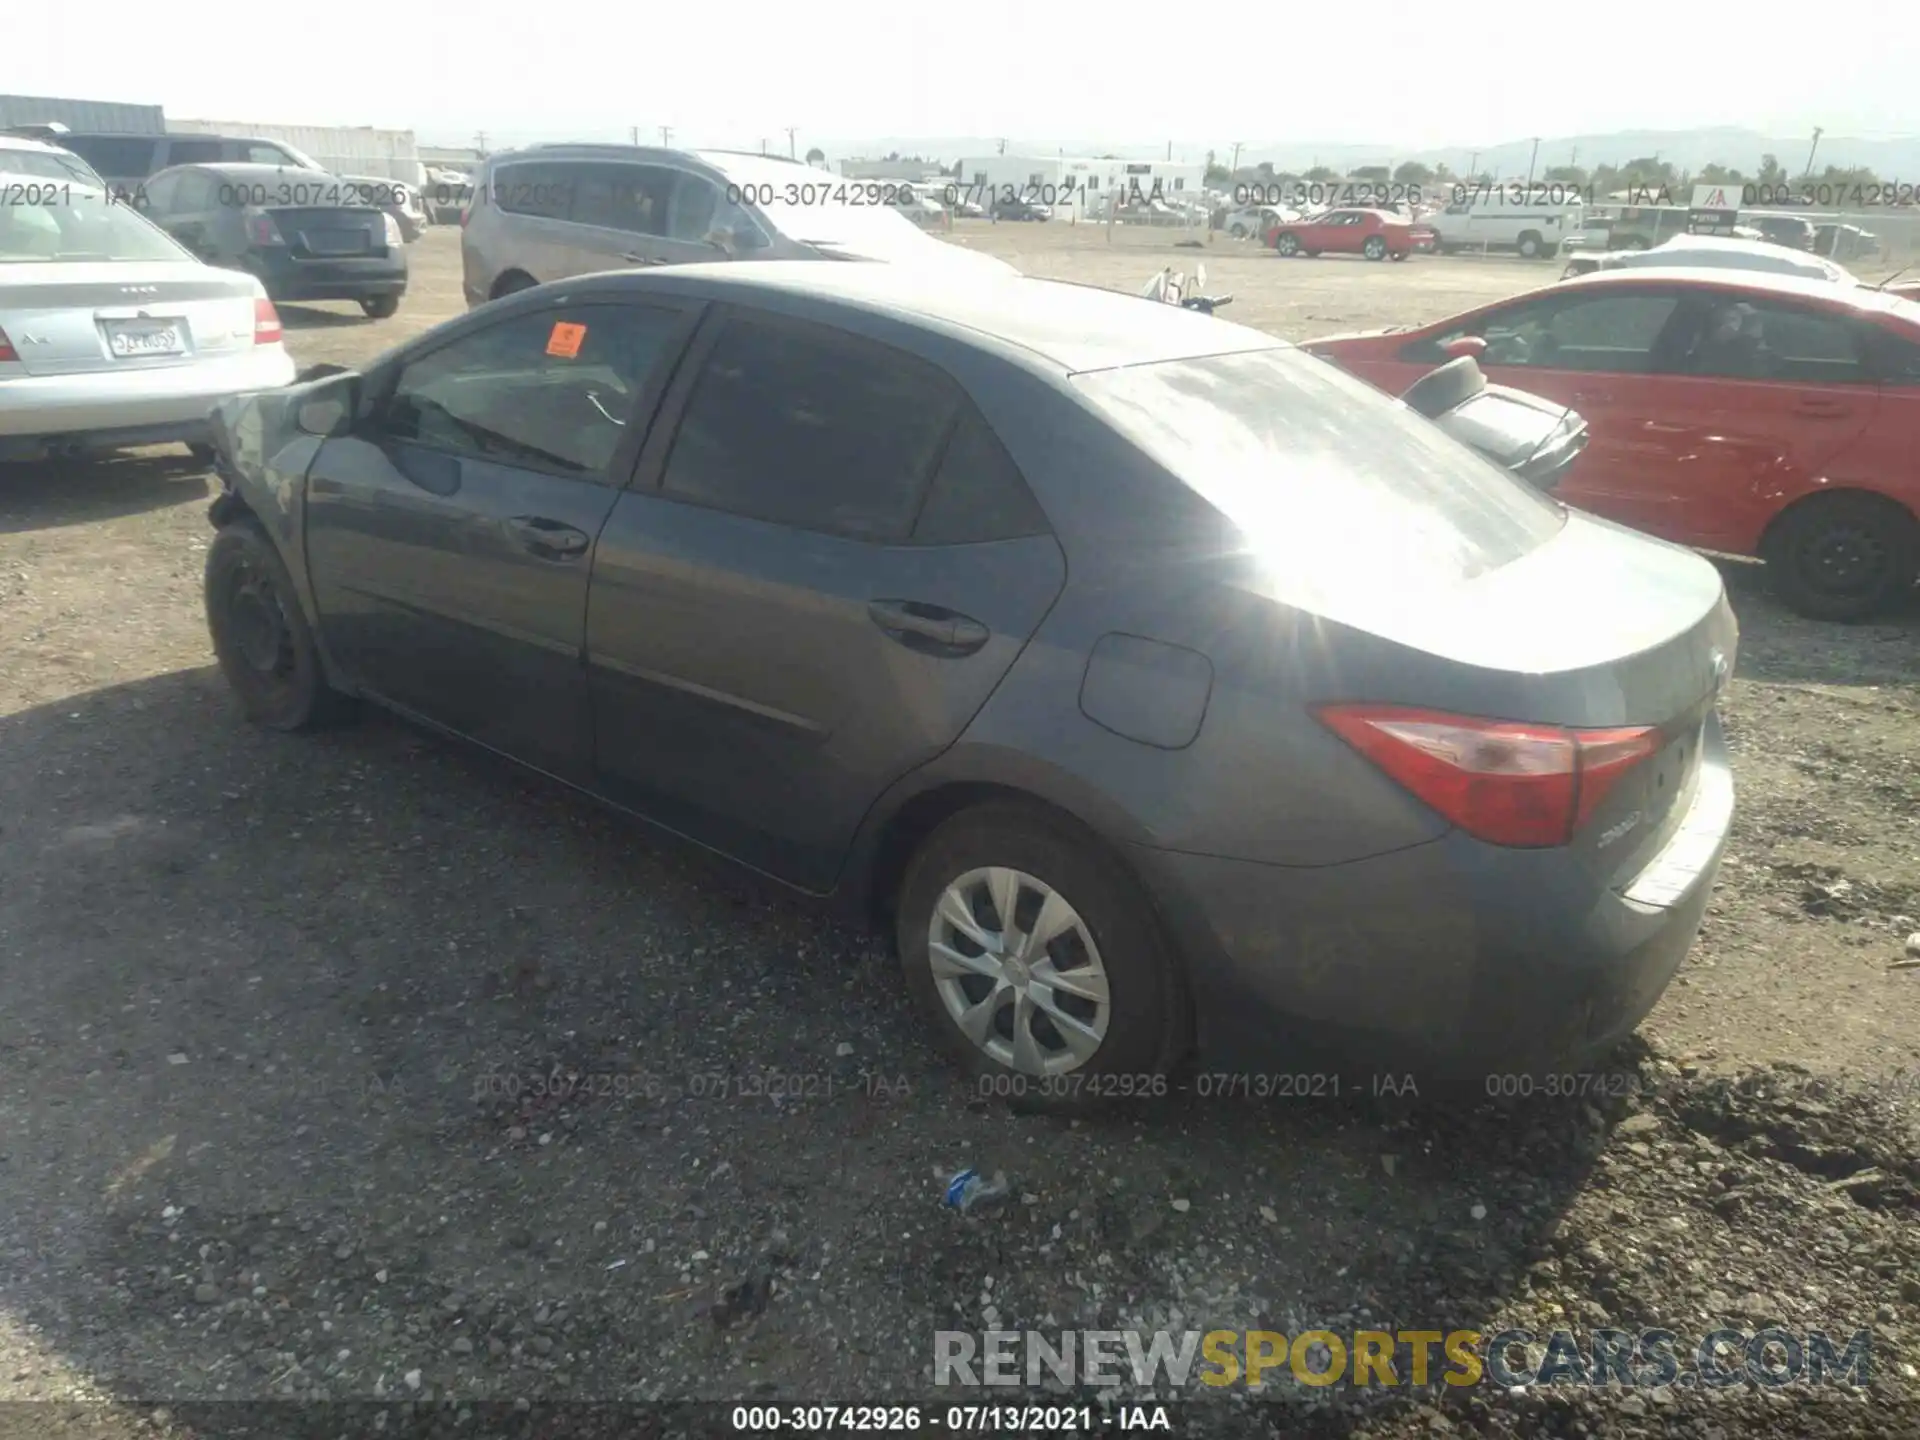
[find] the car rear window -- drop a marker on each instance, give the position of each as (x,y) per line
(1337,486)
(84,226)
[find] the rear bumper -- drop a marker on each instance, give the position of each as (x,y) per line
(1453,962)
(365,278)
(108,409)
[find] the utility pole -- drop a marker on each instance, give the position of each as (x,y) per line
(791,129)
(763,147)
(1003,146)
(1169,150)
(1236,157)
(1813,149)
(1473,165)
(666,134)
(1531,159)
(633,135)
(480,142)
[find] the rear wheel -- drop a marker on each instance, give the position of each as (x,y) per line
(1529,244)
(380,307)
(512,283)
(1843,557)
(1288,245)
(1375,248)
(1239,232)
(260,636)
(1035,957)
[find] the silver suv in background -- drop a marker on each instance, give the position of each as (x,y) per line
(554,211)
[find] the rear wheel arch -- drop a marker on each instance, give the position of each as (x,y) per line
(510,283)
(891,867)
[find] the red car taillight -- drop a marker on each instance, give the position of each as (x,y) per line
(262,231)
(7,352)
(1503,781)
(266,322)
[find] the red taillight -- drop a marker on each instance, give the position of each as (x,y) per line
(7,352)
(262,231)
(1503,781)
(266,322)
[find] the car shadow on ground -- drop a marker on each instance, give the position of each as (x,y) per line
(311,317)
(49,494)
(333,1058)
(1780,647)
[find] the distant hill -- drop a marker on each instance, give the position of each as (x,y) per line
(1896,159)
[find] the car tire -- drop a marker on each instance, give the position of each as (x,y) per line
(1843,557)
(1110,941)
(381,307)
(512,283)
(1238,232)
(1528,245)
(260,634)
(1375,248)
(1287,245)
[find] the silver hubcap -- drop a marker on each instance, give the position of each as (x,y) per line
(1017,969)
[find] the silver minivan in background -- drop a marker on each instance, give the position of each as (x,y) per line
(554,211)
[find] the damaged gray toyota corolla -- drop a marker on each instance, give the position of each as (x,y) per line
(1164,686)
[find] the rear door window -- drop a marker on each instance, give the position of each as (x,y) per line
(616,196)
(1343,491)
(1761,339)
(810,427)
(978,493)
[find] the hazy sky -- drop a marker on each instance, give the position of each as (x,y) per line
(1408,75)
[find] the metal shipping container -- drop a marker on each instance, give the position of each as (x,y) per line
(82,114)
(343,149)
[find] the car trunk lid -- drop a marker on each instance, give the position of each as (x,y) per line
(66,318)
(331,232)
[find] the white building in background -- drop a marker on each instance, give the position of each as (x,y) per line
(859,169)
(1080,181)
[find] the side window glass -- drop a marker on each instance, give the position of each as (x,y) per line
(977,493)
(807,427)
(162,194)
(544,191)
(632,198)
(694,210)
(195,192)
(550,390)
(115,156)
(193,152)
(1895,359)
(1615,333)
(1741,340)
(255,153)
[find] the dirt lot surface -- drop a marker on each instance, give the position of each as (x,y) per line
(271,1010)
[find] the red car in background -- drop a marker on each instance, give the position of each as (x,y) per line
(1376,234)
(1735,411)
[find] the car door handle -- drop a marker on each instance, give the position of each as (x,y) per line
(928,627)
(549,539)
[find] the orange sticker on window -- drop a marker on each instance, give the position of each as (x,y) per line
(565,339)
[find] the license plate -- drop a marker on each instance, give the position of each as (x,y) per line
(337,242)
(132,339)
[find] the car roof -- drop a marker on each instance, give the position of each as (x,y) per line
(1792,287)
(242,170)
(29,142)
(1068,327)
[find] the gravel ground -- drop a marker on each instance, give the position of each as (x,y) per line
(273,1012)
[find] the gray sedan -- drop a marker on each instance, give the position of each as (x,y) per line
(1161,686)
(110,333)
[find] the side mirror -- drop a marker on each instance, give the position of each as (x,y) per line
(1464,345)
(329,409)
